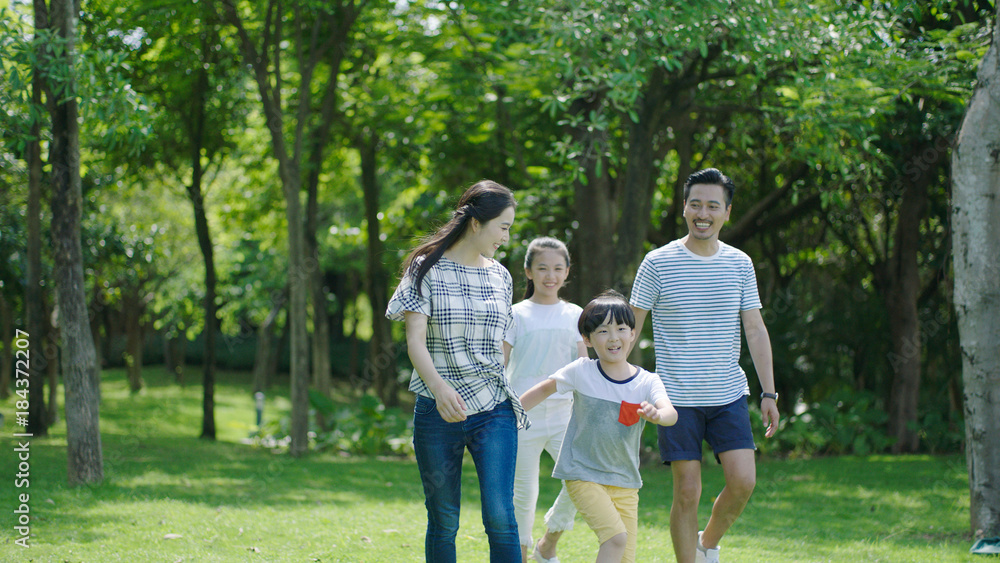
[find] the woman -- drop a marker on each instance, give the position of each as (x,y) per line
(456,302)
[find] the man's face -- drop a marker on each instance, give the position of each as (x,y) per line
(705,211)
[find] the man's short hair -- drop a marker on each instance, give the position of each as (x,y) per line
(712,177)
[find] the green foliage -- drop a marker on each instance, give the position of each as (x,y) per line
(846,422)
(13,259)
(366,427)
(116,115)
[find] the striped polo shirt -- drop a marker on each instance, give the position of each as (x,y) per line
(695,303)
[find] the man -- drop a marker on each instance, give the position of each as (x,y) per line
(699,289)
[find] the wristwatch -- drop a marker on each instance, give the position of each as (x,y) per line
(769,396)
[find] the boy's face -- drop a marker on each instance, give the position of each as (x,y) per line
(611,340)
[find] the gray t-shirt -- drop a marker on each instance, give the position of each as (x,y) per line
(603,437)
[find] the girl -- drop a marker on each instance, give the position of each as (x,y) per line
(456,302)
(543,339)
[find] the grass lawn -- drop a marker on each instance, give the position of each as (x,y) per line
(170,497)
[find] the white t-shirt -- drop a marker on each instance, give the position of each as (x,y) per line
(544,339)
(696,303)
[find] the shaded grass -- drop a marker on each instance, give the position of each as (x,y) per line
(229,502)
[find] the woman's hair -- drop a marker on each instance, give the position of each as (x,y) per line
(597,310)
(484,201)
(537,245)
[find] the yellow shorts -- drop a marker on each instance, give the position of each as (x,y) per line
(608,511)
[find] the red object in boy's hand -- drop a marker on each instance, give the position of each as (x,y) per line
(628,414)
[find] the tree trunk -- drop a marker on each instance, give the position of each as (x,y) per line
(110,329)
(52,375)
(34,310)
(264,360)
(351,296)
(321,320)
(297,309)
(597,210)
(50,363)
(95,325)
(201,228)
(321,367)
(176,348)
(83,437)
(902,294)
(133,308)
(976,245)
(278,352)
(168,355)
(7,326)
(639,181)
(380,367)
(672,227)
(338,331)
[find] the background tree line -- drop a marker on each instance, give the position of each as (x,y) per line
(252,173)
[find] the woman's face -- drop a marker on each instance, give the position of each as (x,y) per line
(491,235)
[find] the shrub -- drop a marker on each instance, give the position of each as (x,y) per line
(365,428)
(848,422)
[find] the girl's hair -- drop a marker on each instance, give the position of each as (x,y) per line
(597,310)
(484,201)
(539,244)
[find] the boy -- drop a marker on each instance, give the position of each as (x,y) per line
(599,457)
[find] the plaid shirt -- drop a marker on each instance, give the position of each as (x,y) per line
(469,311)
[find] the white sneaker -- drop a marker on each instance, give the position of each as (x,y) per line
(702,555)
(537,556)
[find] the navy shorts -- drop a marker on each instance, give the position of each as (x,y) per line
(725,428)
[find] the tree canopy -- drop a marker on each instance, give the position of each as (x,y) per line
(253,174)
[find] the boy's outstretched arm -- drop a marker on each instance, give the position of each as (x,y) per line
(538,393)
(662,413)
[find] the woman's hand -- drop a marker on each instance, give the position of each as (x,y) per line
(450,405)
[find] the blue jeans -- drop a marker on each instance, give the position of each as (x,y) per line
(492,440)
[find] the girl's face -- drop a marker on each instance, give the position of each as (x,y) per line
(491,235)
(548,271)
